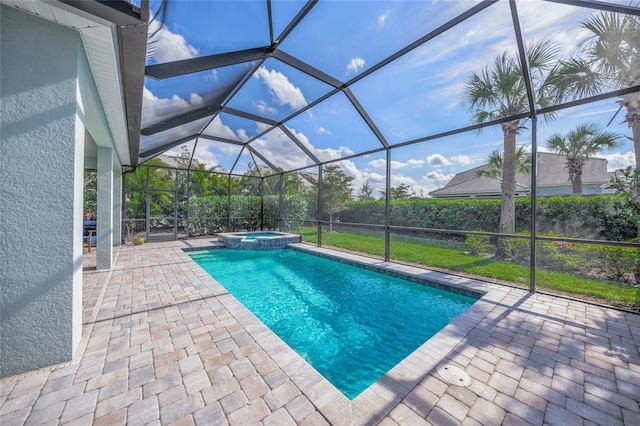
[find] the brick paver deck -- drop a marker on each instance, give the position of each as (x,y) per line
(165,344)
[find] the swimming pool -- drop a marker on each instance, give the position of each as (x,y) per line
(350,324)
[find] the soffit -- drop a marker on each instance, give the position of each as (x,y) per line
(101,47)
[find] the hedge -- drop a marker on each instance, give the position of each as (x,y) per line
(601,217)
(210,215)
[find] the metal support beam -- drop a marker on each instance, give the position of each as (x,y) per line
(387,210)
(219,139)
(280,202)
(534,203)
(295,21)
(203,63)
(320,206)
(178,120)
(164,147)
(524,59)
(601,5)
(366,117)
(307,69)
(249,116)
(260,156)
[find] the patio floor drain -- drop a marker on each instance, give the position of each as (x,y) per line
(454,375)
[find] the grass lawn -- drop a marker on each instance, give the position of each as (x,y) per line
(456,259)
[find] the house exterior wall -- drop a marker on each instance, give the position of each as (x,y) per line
(41,210)
(587,189)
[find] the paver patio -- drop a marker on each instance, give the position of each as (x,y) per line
(165,344)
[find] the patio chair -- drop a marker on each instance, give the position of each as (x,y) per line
(89,233)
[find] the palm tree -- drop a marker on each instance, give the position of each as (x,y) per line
(495,163)
(499,92)
(579,145)
(608,60)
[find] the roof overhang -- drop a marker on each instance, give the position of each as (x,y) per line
(114,36)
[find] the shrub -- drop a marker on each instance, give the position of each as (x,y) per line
(478,244)
(517,249)
(614,262)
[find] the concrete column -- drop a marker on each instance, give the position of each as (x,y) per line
(117,208)
(41,172)
(104,216)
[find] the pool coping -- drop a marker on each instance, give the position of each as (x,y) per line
(375,402)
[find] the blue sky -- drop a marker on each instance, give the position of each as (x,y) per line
(415,96)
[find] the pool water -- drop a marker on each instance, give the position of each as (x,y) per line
(261,234)
(350,324)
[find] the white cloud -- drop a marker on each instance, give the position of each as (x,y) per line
(166,46)
(264,108)
(600,110)
(463,160)
(242,134)
(326,154)
(276,144)
(380,163)
(398,179)
(355,65)
(435,179)
(195,99)
(527,148)
(382,19)
(415,164)
(218,128)
(205,154)
(323,131)
(212,76)
(395,165)
(154,108)
(436,160)
(620,161)
(281,88)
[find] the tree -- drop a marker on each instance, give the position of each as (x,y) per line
(400,192)
(579,145)
(336,191)
(608,60)
(293,184)
(498,92)
(250,182)
(627,184)
(495,163)
(157,177)
(366,192)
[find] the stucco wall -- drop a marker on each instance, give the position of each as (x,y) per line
(41,237)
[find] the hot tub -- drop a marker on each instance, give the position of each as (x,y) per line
(260,240)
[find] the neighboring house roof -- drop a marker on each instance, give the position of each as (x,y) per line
(551,173)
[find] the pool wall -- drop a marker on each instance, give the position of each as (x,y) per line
(258,241)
